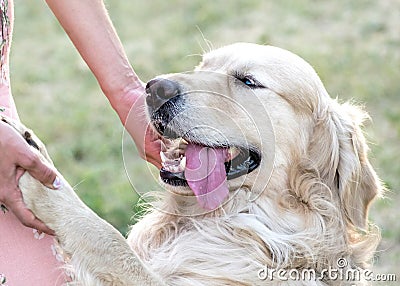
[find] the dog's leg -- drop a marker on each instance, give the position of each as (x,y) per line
(98,252)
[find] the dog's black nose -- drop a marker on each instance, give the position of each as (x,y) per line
(162,100)
(159,91)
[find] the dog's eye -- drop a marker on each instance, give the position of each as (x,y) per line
(249,81)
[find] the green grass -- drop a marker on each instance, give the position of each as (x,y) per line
(353,45)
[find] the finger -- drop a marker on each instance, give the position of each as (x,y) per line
(39,170)
(24,156)
(28,219)
(152,154)
(18,174)
(155,162)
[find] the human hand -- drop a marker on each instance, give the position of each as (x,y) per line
(130,105)
(16,158)
(152,148)
(146,140)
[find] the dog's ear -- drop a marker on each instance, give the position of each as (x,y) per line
(357,181)
(340,149)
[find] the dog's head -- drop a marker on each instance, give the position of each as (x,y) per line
(259,118)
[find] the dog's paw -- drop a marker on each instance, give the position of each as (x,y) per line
(34,193)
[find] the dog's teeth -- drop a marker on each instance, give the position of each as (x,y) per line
(173,155)
(163,157)
(176,153)
(233,152)
(182,144)
(182,164)
(168,156)
(175,165)
(174,169)
(169,162)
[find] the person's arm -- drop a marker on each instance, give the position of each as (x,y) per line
(16,156)
(89,27)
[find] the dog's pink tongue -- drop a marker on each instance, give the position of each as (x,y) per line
(206,175)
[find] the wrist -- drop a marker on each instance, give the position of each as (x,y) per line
(123,99)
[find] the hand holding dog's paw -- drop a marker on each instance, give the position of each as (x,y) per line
(19,151)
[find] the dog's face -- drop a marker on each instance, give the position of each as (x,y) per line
(245,118)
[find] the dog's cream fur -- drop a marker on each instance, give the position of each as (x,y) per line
(306,212)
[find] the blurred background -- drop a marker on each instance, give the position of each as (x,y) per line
(353,45)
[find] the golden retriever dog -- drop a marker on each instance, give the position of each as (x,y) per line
(266,178)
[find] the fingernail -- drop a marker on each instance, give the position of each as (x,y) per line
(57,183)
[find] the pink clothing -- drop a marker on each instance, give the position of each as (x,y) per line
(26,257)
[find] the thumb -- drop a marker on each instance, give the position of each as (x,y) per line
(41,171)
